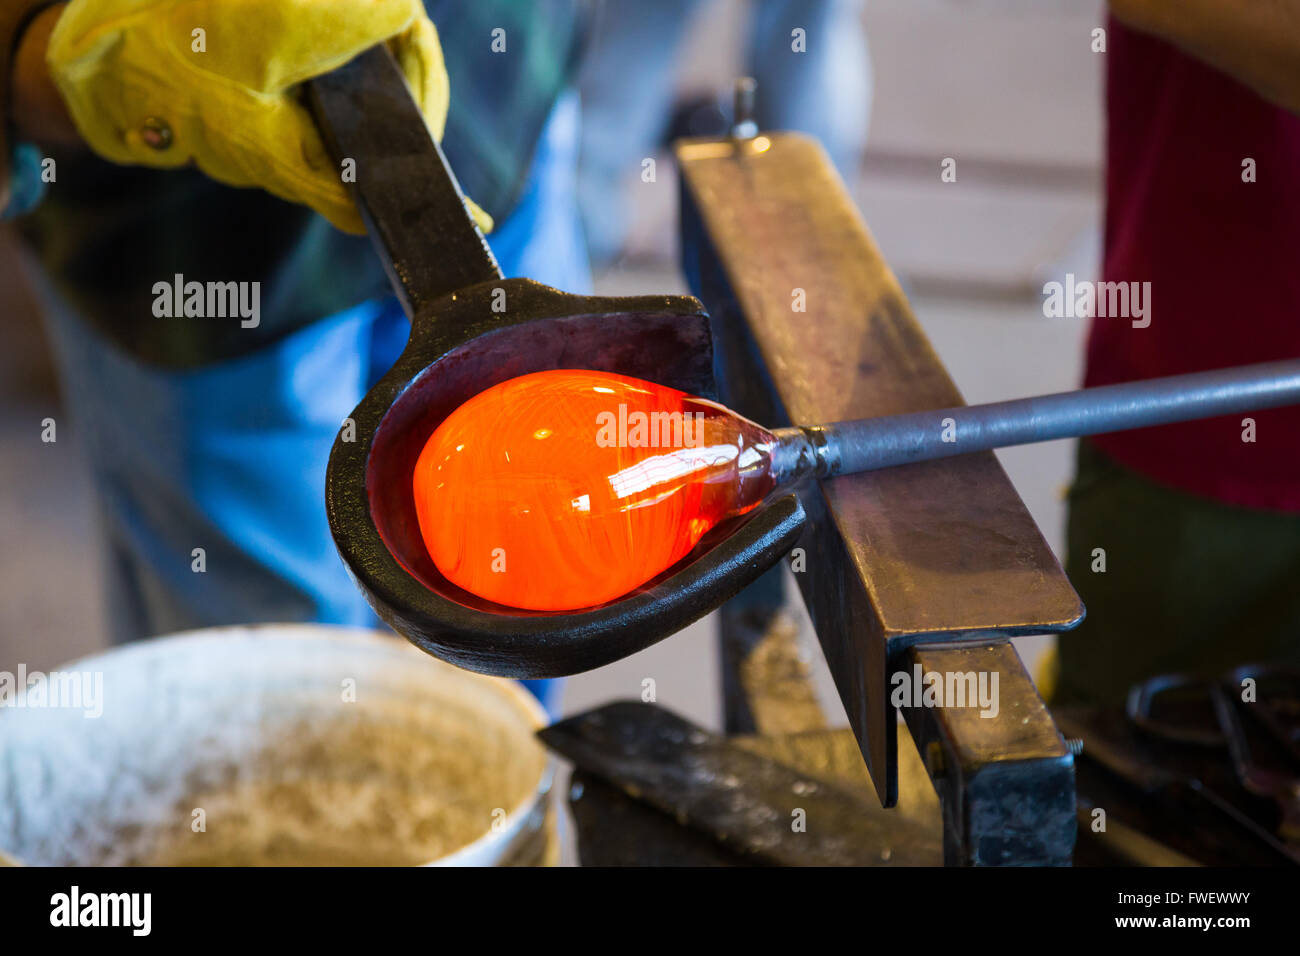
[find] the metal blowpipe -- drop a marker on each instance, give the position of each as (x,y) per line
(587,512)
(866,444)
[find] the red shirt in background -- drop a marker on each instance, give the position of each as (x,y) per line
(1222,257)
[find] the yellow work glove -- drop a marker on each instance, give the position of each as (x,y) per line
(167,82)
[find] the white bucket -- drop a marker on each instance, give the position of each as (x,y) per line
(272,745)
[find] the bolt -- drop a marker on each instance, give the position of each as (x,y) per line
(743,125)
(156,133)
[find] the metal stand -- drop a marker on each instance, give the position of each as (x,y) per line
(935,563)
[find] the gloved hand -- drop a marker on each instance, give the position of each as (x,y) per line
(225,97)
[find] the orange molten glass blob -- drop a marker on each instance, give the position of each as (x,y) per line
(566,489)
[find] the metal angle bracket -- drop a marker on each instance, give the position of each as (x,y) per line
(811,326)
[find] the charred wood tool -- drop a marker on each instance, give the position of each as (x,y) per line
(472,329)
(760,810)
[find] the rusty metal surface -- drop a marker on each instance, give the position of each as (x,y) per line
(1006,778)
(933,551)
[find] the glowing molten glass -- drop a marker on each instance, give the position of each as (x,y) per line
(566,489)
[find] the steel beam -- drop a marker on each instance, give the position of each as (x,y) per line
(1004,775)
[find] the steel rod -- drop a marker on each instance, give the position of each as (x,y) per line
(870,443)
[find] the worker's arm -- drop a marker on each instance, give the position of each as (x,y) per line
(215,85)
(1254,41)
(36,109)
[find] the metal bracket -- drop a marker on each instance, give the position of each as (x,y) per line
(811,326)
